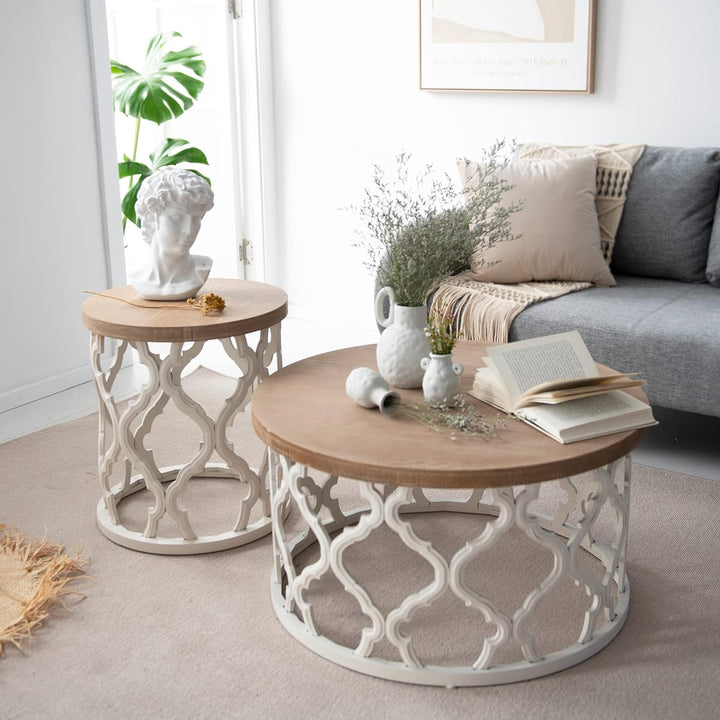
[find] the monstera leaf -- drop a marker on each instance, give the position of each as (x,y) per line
(165,88)
(171,151)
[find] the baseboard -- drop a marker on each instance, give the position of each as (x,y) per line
(67,404)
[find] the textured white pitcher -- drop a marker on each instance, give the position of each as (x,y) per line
(441,383)
(403,343)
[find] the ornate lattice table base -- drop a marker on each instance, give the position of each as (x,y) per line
(167,485)
(576,528)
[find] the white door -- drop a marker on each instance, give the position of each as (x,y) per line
(232,232)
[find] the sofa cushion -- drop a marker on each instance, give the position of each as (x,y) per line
(614,169)
(666,223)
(559,236)
(712,271)
(665,329)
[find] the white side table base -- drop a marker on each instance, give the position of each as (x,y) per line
(118,442)
(569,536)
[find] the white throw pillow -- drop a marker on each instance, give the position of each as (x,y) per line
(558,225)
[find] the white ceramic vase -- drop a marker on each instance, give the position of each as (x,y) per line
(441,382)
(403,343)
(368,389)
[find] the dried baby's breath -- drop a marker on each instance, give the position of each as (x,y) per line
(417,230)
(463,418)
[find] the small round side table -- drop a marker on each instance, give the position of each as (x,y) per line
(181,332)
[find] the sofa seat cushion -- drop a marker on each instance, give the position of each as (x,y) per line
(665,329)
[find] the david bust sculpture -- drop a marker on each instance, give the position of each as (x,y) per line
(171,204)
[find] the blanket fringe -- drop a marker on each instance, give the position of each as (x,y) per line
(485,311)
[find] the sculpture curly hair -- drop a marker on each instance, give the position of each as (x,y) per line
(166,186)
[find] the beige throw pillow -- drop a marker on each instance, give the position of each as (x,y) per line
(615,165)
(558,225)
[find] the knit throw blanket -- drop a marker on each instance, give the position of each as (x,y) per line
(484,311)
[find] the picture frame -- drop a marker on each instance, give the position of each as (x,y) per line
(508,45)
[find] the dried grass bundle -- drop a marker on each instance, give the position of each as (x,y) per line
(33,574)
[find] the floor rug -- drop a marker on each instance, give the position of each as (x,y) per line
(33,575)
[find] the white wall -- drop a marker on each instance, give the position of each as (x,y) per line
(346,96)
(54,226)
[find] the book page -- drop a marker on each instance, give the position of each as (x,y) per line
(486,387)
(583,388)
(589,417)
(523,365)
(582,410)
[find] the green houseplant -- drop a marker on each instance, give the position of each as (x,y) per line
(166,87)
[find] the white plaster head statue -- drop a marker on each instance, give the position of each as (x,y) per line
(171,204)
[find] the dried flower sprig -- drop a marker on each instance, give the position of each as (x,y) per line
(204,303)
(207,303)
(441,334)
(463,418)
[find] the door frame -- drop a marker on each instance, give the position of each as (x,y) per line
(249,34)
(250,41)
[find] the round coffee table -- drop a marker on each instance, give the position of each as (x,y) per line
(177,333)
(396,465)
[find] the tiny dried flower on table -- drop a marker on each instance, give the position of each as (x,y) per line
(207,303)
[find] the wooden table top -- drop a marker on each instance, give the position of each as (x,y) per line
(303,412)
(249,306)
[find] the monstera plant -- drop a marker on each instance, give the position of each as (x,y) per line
(165,88)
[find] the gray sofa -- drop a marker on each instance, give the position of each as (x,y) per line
(662,319)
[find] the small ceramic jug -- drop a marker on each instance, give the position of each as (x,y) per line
(368,389)
(441,382)
(403,343)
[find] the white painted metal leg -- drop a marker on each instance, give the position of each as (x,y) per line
(566,538)
(118,442)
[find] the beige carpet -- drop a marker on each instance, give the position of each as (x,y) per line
(196,637)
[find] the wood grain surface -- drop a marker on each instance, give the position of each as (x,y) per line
(249,306)
(304,413)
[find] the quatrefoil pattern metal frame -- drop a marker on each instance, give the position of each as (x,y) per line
(122,431)
(566,536)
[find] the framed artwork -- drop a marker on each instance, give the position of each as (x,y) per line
(507,45)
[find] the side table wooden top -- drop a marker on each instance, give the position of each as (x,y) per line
(249,306)
(303,412)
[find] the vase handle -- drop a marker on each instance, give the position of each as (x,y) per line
(457,368)
(382,319)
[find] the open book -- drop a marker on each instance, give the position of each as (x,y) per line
(553,383)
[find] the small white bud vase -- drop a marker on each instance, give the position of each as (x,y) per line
(368,389)
(403,343)
(441,382)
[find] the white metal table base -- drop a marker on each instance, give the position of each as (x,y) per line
(118,442)
(568,536)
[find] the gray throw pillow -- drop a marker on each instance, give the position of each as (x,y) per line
(667,220)
(712,272)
